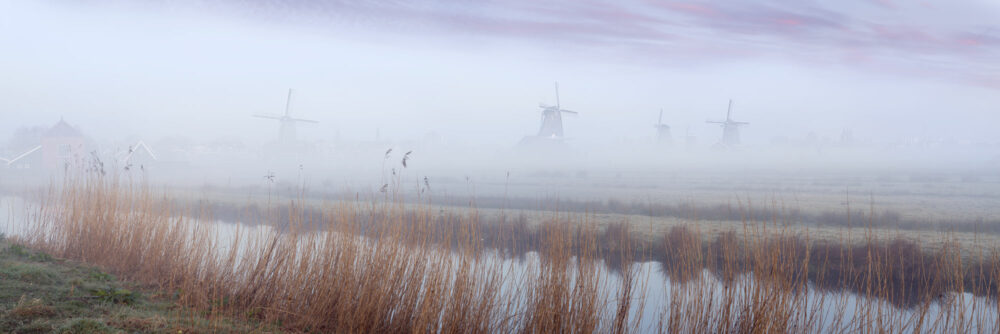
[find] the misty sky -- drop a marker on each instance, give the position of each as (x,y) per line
(474,72)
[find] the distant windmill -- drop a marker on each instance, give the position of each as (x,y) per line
(286,133)
(662,131)
(730,128)
(552,126)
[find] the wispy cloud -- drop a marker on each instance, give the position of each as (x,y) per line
(919,38)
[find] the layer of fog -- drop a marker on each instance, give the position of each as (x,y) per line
(186,83)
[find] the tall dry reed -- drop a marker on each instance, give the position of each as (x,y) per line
(386,267)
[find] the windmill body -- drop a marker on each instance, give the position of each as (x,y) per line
(550,137)
(552,126)
(730,129)
(286,130)
(286,133)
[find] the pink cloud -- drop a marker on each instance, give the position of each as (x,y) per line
(885,3)
(692,30)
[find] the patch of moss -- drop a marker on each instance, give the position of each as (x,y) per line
(34,327)
(116,296)
(30,273)
(42,294)
(84,326)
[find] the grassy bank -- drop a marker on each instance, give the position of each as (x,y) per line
(43,294)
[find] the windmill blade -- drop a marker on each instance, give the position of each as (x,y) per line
(303,120)
(268,116)
(660,120)
(288,102)
(569,111)
(26,153)
(557,95)
(729,113)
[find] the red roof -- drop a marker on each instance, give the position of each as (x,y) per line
(62,129)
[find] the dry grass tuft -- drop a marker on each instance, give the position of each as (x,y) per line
(26,309)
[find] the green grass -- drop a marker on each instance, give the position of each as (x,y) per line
(42,294)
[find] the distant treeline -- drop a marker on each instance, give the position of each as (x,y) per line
(861,215)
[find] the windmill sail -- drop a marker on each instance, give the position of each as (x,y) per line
(730,128)
(552,126)
(288,103)
(286,130)
(663,135)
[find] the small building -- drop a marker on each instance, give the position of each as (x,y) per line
(137,156)
(52,150)
(62,144)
